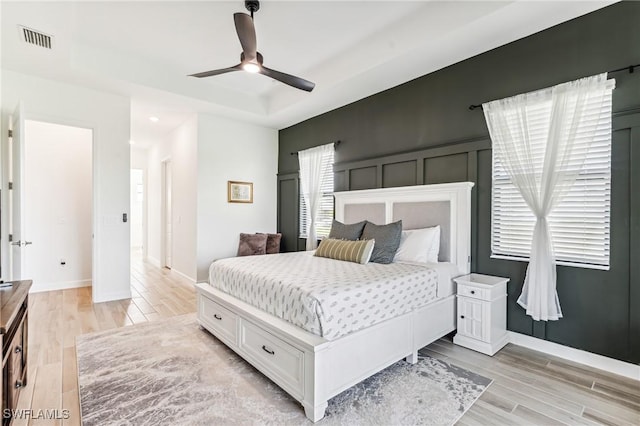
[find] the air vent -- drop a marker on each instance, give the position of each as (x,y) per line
(36,38)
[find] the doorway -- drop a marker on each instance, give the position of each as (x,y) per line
(138,190)
(57,214)
(167,237)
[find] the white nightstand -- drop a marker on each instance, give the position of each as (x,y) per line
(482,313)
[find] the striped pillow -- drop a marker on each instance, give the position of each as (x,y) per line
(351,251)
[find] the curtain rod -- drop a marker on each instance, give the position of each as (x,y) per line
(335,144)
(630,68)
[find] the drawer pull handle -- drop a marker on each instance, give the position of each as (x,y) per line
(218,317)
(19,384)
(18,349)
(473,292)
(267,350)
(462,316)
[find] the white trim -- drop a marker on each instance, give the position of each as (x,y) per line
(558,262)
(109,297)
(610,365)
(152,260)
(185,276)
(62,285)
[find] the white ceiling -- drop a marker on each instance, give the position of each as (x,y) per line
(350,50)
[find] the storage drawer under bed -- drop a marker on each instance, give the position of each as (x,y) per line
(275,355)
(219,318)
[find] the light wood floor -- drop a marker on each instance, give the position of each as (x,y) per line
(528,388)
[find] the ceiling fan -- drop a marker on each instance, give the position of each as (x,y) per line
(250,58)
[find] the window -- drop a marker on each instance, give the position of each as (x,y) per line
(580,223)
(325,215)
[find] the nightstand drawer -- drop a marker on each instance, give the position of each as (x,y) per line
(220,319)
(474,292)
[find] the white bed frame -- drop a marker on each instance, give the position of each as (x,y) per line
(312,369)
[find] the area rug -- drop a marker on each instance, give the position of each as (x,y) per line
(171,372)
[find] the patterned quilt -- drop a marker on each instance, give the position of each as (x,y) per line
(326,297)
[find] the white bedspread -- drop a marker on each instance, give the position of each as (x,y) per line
(326,297)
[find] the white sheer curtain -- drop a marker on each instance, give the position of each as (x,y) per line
(311,182)
(543,182)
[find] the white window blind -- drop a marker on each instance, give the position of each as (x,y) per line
(325,215)
(580,223)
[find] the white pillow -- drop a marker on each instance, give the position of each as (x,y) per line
(419,245)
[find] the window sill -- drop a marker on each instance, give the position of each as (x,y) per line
(558,262)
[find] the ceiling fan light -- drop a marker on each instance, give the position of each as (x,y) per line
(251,67)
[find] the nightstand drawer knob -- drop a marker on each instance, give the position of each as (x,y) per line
(473,292)
(462,316)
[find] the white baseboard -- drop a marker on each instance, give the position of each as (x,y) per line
(611,365)
(152,260)
(119,295)
(185,276)
(41,287)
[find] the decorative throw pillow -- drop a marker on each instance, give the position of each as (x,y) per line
(342,231)
(252,244)
(419,245)
(350,251)
(273,243)
(387,240)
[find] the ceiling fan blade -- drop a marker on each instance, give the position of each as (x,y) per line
(291,80)
(216,72)
(247,35)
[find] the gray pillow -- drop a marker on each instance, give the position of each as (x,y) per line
(387,240)
(341,231)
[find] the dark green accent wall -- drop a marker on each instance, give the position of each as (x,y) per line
(422,132)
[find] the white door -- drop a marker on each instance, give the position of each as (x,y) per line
(16,253)
(168,239)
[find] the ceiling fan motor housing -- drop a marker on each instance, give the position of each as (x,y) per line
(252,5)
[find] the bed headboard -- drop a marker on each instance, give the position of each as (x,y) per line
(446,204)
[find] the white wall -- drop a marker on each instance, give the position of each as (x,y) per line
(139,158)
(233,150)
(181,147)
(109,117)
(58,199)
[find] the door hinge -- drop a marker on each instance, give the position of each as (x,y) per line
(10,237)
(10,133)
(10,185)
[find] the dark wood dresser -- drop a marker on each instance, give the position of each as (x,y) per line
(14,309)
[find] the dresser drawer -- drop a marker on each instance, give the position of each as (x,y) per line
(276,357)
(474,292)
(220,319)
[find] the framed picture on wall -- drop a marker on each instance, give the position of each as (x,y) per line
(239,192)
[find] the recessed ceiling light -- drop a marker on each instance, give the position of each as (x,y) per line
(154,119)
